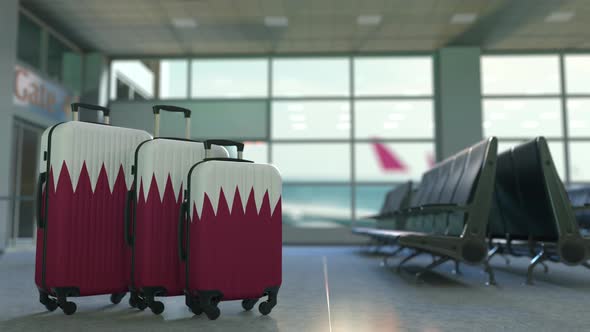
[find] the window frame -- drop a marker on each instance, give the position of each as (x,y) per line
(564,96)
(350,98)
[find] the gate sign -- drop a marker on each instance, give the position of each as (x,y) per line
(39,95)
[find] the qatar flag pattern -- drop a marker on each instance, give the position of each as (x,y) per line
(88,177)
(162,166)
(235,233)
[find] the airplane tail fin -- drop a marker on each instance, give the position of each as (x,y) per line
(388,160)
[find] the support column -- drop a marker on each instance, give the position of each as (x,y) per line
(458,103)
(8,36)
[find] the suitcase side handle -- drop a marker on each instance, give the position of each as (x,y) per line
(105,111)
(223,142)
(40,181)
(127,222)
(170,108)
(181,222)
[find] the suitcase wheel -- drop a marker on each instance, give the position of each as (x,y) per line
(69,308)
(196,309)
(133,300)
(248,304)
(193,305)
(265,308)
(117,297)
(141,305)
(212,312)
(51,305)
(157,307)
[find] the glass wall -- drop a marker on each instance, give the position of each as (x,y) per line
(44,51)
(342,130)
(29,42)
(541,95)
(577,92)
(522,100)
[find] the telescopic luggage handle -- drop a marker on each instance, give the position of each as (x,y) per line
(105,111)
(181,235)
(39,203)
(223,142)
(170,108)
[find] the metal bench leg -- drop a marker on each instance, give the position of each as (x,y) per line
(456,270)
(490,272)
(497,250)
(432,265)
(506,259)
(493,252)
(538,259)
(545,267)
(393,254)
(405,260)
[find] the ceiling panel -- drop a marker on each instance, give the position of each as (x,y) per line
(144,27)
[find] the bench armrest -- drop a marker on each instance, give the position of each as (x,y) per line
(439,208)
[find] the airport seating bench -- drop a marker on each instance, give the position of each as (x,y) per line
(452,224)
(534,215)
(448,214)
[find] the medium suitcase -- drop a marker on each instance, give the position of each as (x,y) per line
(80,208)
(230,233)
(160,170)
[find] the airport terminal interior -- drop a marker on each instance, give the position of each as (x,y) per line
(433,163)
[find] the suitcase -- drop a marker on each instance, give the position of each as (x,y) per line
(80,208)
(159,170)
(230,233)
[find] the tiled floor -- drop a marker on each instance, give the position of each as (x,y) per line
(335,289)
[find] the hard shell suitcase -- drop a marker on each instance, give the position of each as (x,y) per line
(81,194)
(160,169)
(230,231)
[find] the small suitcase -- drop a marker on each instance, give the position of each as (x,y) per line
(160,168)
(230,233)
(80,208)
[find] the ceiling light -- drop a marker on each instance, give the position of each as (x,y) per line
(559,17)
(276,21)
(184,23)
(463,18)
(368,19)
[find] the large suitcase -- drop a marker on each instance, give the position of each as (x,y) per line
(160,170)
(81,195)
(230,233)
